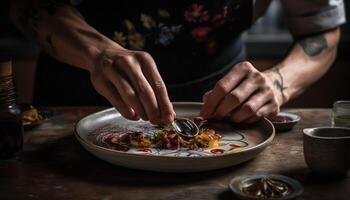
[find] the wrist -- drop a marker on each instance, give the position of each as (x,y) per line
(279,87)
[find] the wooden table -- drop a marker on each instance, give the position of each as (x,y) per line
(53,165)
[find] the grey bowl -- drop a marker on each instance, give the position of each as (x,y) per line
(237,182)
(327,150)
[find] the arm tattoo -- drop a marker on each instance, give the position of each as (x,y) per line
(314,45)
(279,84)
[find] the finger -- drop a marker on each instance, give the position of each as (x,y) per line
(236,97)
(252,119)
(126,92)
(151,73)
(144,91)
(205,96)
(113,96)
(249,109)
(223,87)
(269,109)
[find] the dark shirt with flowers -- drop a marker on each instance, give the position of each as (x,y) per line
(181,35)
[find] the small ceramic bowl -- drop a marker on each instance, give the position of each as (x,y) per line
(236,184)
(284,121)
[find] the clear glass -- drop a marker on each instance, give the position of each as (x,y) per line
(341,114)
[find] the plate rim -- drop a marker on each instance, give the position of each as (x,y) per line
(81,140)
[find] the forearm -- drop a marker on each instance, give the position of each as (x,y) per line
(60,30)
(308,60)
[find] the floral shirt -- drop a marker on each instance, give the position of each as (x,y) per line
(195,42)
(182,35)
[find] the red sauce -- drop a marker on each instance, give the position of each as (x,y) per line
(145,150)
(281,119)
(217,151)
(234,146)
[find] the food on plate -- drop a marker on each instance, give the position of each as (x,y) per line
(167,138)
(119,138)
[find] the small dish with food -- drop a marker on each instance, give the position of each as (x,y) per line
(284,121)
(265,186)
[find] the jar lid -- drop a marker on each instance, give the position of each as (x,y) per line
(6,68)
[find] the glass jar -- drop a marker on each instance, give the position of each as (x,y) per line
(11,128)
(341,114)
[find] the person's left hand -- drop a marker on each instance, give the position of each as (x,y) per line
(243,95)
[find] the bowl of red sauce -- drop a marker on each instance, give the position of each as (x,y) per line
(284,121)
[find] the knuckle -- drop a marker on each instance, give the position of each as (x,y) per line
(246,66)
(249,107)
(159,85)
(129,94)
(125,60)
(144,54)
(221,87)
(234,96)
(258,77)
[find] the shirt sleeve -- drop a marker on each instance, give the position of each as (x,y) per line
(312,16)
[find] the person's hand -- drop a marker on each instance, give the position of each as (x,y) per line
(130,81)
(243,95)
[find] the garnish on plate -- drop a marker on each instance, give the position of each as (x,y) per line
(162,137)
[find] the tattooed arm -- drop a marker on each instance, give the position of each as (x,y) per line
(246,94)
(128,79)
(308,60)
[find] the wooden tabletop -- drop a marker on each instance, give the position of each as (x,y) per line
(53,165)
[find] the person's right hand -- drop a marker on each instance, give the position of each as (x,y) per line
(132,84)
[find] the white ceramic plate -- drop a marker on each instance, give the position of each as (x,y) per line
(239,143)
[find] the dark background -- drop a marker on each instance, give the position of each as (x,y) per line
(267,43)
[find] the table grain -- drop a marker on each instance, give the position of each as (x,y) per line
(53,165)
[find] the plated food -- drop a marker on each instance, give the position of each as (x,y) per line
(161,137)
(141,145)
